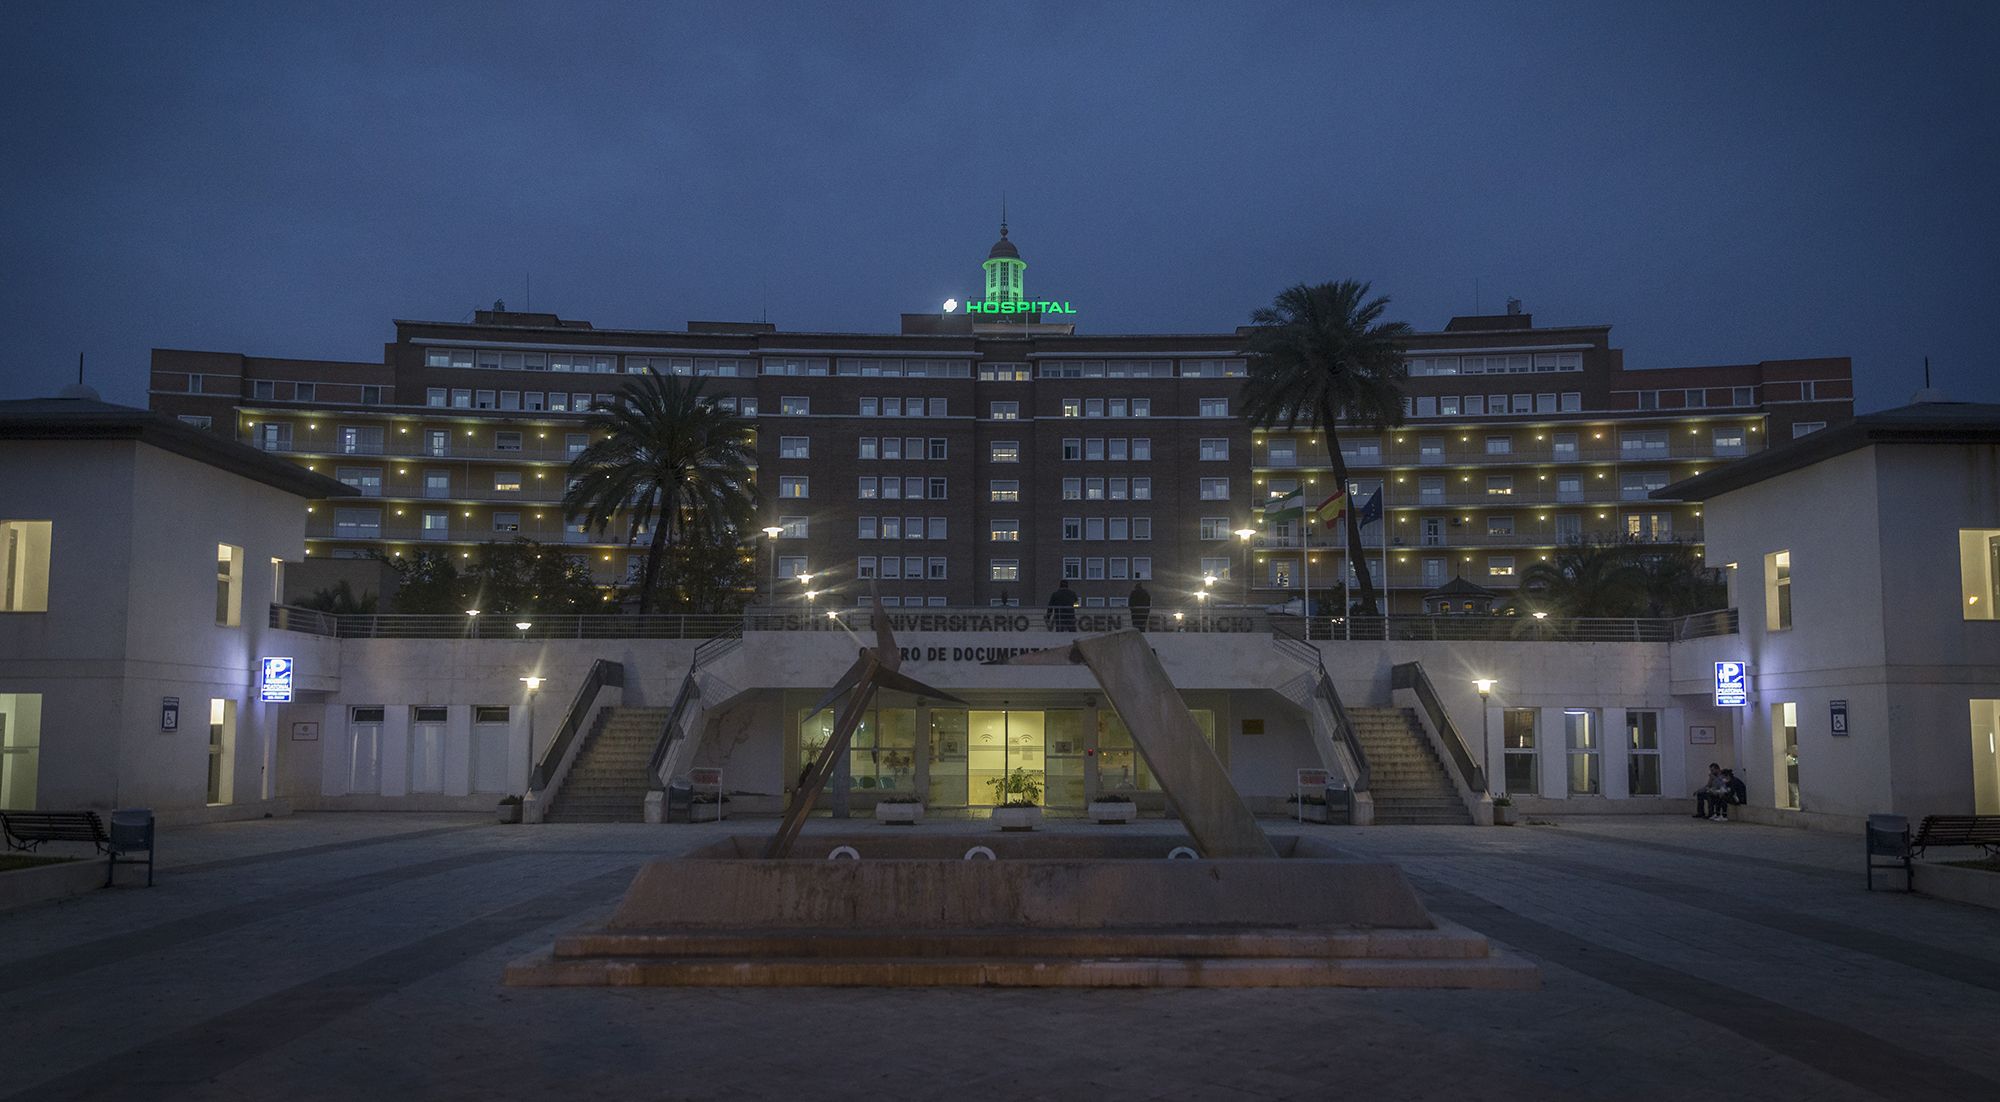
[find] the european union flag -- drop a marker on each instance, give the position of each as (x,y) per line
(1372,509)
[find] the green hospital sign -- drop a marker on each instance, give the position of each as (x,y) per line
(1007,306)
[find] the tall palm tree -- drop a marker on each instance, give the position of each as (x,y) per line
(1323,357)
(669,460)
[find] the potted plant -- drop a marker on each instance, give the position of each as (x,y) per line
(1312,809)
(1019,797)
(1503,811)
(510,809)
(901,810)
(1113,807)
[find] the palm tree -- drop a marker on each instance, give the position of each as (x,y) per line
(1323,356)
(670,460)
(1581,580)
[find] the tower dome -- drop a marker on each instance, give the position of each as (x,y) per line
(1005,270)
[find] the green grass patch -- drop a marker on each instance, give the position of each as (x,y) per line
(11,861)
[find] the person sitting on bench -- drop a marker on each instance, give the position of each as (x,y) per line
(1708,798)
(1737,792)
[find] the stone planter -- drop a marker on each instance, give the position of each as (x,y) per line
(1310,813)
(1503,815)
(1016,818)
(1113,811)
(899,813)
(510,812)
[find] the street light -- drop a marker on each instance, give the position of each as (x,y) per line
(471,622)
(533,683)
(1485,687)
(523,625)
(772,533)
(1244,535)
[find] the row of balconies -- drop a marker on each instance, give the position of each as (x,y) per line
(1475,454)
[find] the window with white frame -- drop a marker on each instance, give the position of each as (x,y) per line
(865,528)
(794,447)
(791,566)
(1004,451)
(24,567)
(1215,528)
(1004,530)
(1004,570)
(1142,568)
(1093,489)
(1072,569)
(794,486)
(1142,489)
(867,489)
(1003,490)
(1214,449)
(793,528)
(1214,407)
(1215,489)
(794,405)
(507,482)
(1500,566)
(1072,528)
(1803,428)
(1005,411)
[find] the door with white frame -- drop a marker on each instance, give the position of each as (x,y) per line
(427,727)
(490,767)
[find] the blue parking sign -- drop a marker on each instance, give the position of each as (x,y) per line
(275,687)
(1731,684)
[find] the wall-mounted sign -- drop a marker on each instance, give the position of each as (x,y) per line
(170,713)
(1840,717)
(1701,736)
(1732,684)
(1005,306)
(275,686)
(305,730)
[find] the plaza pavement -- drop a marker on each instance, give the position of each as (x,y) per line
(359,956)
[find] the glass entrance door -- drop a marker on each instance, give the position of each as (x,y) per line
(999,742)
(1063,728)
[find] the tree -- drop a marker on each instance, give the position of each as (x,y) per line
(706,578)
(338,599)
(672,463)
(1676,583)
(1322,356)
(428,582)
(522,576)
(1594,579)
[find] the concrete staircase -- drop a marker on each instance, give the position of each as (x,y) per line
(1408,781)
(609,782)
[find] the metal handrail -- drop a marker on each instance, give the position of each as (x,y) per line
(1411,676)
(1343,727)
(1702,625)
(690,692)
(603,673)
(307,621)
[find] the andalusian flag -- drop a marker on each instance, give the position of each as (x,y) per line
(1288,507)
(1327,512)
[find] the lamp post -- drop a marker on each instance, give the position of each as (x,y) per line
(1485,687)
(533,683)
(1201,604)
(805,580)
(471,622)
(772,533)
(1244,535)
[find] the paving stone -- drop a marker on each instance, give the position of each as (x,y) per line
(334,956)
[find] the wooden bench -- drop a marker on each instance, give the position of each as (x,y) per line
(1889,836)
(131,832)
(1958,830)
(27,829)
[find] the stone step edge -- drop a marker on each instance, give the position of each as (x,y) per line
(1498,971)
(1449,942)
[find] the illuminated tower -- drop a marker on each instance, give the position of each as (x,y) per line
(1004,266)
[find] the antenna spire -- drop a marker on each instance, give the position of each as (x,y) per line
(1003,214)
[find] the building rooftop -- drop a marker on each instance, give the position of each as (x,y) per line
(86,418)
(1922,423)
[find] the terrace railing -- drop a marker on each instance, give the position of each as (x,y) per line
(1210,618)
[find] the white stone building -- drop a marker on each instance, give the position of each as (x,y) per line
(1865,563)
(138,559)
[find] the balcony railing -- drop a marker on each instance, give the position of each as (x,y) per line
(1474,454)
(852,622)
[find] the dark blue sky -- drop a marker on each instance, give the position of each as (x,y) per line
(1720,182)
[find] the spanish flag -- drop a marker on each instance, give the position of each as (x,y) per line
(1327,512)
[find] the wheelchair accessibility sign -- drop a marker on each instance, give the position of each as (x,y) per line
(1731,685)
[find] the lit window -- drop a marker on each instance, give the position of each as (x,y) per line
(24,556)
(228,586)
(1005,531)
(1004,570)
(1007,491)
(1979,571)
(1005,451)
(507,482)
(1778,591)
(793,486)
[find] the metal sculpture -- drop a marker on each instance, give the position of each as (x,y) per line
(875,669)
